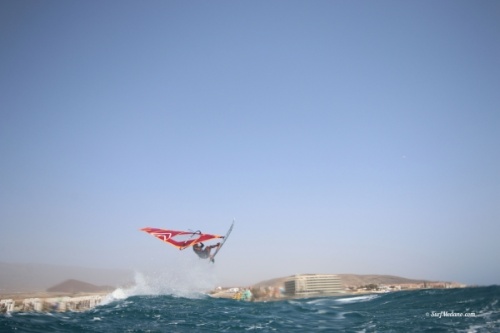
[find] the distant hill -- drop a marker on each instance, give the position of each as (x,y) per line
(355,280)
(76,286)
(34,277)
(351,280)
(277,282)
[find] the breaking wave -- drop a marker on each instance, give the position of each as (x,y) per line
(188,279)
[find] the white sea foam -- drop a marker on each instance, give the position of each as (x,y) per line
(474,329)
(189,279)
(318,301)
(356,299)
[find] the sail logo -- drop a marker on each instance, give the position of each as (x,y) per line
(164,236)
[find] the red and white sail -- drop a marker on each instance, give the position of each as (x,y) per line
(180,239)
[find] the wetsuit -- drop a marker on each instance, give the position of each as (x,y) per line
(203,253)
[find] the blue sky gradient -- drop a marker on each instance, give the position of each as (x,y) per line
(343,137)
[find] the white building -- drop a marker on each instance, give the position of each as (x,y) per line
(313,285)
(7,305)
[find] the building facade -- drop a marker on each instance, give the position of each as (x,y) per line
(313,285)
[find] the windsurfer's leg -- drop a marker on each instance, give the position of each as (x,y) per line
(213,246)
(208,251)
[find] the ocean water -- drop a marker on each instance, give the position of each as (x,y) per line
(134,310)
(166,300)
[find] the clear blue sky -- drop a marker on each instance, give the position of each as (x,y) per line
(343,136)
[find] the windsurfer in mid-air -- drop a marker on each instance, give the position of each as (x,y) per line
(204,251)
(184,239)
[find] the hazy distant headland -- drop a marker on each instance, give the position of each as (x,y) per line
(18,277)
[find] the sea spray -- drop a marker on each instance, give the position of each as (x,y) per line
(190,278)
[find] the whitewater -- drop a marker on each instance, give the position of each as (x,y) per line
(165,302)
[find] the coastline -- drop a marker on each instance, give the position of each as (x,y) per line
(327,285)
(50,301)
(84,296)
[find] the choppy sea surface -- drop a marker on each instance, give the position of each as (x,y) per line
(432,310)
